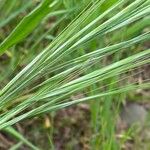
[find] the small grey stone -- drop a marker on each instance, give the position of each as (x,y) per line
(133,113)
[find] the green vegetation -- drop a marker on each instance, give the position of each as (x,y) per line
(53,50)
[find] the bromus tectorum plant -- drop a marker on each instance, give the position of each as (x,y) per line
(61,69)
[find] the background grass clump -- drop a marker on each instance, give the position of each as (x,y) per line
(74,74)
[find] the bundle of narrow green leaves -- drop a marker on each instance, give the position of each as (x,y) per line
(30,94)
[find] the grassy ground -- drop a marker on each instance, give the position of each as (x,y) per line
(103,123)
